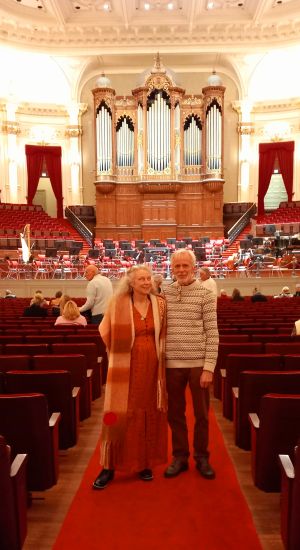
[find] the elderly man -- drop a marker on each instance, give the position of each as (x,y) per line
(191,354)
(207,281)
(99,291)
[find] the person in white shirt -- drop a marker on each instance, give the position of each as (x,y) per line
(99,291)
(207,281)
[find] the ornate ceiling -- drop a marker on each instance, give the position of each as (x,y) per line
(99,27)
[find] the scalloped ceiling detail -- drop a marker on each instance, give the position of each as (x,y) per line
(84,26)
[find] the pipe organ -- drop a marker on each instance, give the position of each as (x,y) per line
(159,160)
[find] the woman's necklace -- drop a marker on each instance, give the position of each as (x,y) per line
(142,309)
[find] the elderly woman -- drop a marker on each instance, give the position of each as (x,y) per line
(134,430)
(71,315)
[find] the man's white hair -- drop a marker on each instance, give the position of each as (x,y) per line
(182,251)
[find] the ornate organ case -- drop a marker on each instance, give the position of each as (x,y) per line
(159,161)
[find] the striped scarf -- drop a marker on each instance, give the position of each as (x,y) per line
(117,332)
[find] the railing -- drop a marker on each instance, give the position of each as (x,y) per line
(238,227)
(79,226)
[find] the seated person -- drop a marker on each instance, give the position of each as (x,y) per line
(55,303)
(158,281)
(71,315)
(39,294)
(285,293)
(223,294)
(64,299)
(296,328)
(257,296)
(36,308)
(236,295)
(9,294)
(297,292)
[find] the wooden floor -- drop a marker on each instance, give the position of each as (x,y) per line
(49,509)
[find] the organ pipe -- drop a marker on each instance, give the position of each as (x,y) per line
(214,136)
(192,140)
(125,142)
(104,139)
(158,132)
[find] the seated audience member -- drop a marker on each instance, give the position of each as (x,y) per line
(236,295)
(223,294)
(158,281)
(207,281)
(43,301)
(296,328)
(71,315)
(297,292)
(285,293)
(55,303)
(9,294)
(64,299)
(257,296)
(36,308)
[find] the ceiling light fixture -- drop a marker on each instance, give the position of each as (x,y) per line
(106,6)
(170,6)
(147,6)
(210,5)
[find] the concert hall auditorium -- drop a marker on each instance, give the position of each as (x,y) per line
(129,131)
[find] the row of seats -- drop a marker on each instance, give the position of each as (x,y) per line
(21,207)
(260,392)
(45,391)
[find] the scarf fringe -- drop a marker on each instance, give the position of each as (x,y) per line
(109,454)
(161,397)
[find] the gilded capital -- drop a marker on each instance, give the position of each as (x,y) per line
(245,128)
(73,131)
(11,127)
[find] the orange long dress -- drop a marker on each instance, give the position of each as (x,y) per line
(145,442)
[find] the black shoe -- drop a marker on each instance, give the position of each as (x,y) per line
(176,467)
(103,479)
(205,468)
(146,475)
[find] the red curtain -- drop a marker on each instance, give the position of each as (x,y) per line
(34,156)
(267,154)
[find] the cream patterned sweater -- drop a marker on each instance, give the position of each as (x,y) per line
(192,330)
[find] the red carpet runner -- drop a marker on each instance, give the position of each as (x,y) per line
(185,513)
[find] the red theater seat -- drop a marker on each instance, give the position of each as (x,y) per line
(13,508)
(14,362)
(235,364)
(290,499)
(56,385)
(81,376)
(89,350)
(274,431)
(252,386)
(224,350)
(25,349)
(25,424)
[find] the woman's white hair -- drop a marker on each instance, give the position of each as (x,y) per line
(125,285)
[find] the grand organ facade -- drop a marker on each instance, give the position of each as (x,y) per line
(159,157)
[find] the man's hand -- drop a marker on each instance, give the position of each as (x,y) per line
(206,378)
